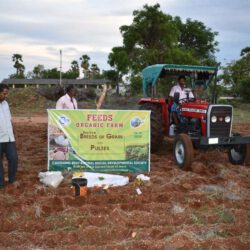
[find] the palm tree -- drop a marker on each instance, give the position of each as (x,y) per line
(95,71)
(85,65)
(17,59)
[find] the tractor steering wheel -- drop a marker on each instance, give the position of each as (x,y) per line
(184,100)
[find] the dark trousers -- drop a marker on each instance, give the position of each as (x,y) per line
(9,149)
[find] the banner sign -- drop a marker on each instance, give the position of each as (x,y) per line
(99,140)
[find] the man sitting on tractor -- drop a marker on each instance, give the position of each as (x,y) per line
(180,91)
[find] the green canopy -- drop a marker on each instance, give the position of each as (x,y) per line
(152,73)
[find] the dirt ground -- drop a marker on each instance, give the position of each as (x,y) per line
(206,208)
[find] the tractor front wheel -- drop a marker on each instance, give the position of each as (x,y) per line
(183,151)
(238,154)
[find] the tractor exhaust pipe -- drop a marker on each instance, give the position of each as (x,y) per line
(215,95)
(214,98)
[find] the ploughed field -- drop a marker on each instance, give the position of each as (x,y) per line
(206,208)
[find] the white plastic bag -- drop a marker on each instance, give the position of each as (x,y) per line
(142,177)
(51,179)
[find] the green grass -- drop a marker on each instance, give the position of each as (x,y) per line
(241,113)
(12,215)
(199,247)
(7,199)
(224,215)
(27,101)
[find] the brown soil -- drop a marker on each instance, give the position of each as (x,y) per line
(207,208)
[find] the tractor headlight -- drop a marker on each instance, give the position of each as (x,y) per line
(213,119)
(227,119)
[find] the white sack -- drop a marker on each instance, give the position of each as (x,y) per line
(99,179)
(51,179)
(143,177)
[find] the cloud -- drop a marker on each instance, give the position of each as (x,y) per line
(39,29)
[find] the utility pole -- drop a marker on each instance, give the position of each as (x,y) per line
(60,67)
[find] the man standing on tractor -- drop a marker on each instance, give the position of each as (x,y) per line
(178,91)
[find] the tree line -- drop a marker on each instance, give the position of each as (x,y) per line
(89,71)
(153,37)
(236,75)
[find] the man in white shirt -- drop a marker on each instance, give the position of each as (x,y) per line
(7,139)
(180,88)
(67,101)
(183,94)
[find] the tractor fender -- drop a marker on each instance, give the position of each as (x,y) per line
(152,100)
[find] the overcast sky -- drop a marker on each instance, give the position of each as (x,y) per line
(38,29)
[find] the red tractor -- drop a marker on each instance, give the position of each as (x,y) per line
(203,124)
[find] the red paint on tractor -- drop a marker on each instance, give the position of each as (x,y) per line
(196,109)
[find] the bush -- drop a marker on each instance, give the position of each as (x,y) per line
(244,88)
(55,92)
(136,85)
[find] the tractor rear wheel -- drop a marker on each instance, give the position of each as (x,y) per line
(247,160)
(156,125)
(238,154)
(183,151)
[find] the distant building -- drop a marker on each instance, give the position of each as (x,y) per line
(23,83)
